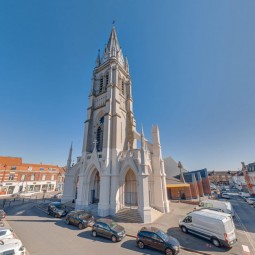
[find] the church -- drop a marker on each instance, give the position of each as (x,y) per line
(113,172)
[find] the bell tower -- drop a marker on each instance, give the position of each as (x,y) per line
(110,120)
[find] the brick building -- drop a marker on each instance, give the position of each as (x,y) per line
(16,176)
(221,177)
(249,176)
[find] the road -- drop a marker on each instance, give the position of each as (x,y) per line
(42,234)
(244,220)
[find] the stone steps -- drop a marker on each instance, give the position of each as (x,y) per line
(128,215)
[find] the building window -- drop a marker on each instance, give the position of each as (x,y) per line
(122,88)
(30,168)
(11,177)
(41,169)
(32,177)
(107,79)
(53,177)
(101,121)
(13,168)
(53,169)
(23,177)
(101,85)
(99,139)
(44,177)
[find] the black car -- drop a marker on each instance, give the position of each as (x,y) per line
(80,218)
(157,239)
(57,209)
(109,229)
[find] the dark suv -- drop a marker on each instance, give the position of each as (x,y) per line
(109,229)
(80,218)
(57,209)
(157,239)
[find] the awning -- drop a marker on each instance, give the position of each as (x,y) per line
(179,185)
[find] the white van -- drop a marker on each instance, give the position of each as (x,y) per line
(215,226)
(225,206)
(12,246)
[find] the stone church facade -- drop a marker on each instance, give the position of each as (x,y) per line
(113,173)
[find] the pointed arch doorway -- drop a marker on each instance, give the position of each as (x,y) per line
(94,187)
(130,190)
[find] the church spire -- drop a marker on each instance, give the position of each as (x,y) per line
(113,49)
(69,160)
(113,43)
(98,62)
(126,64)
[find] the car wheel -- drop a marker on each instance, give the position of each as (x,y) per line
(114,239)
(94,233)
(216,242)
(140,244)
(56,215)
(67,222)
(168,251)
(80,226)
(184,229)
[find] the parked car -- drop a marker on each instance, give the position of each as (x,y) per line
(225,195)
(57,209)
(250,200)
(217,227)
(109,229)
(225,206)
(243,194)
(80,218)
(12,246)
(6,233)
(58,195)
(2,214)
(157,239)
(246,197)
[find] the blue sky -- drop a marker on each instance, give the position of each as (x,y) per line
(191,62)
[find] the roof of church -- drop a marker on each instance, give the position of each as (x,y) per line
(171,167)
(172,180)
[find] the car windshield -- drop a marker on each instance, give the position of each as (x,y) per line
(60,207)
(250,198)
(162,235)
(113,225)
(83,216)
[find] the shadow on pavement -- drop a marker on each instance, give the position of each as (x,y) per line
(87,233)
(193,242)
(131,245)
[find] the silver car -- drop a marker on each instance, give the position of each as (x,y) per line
(250,200)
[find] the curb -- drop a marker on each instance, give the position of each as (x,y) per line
(183,248)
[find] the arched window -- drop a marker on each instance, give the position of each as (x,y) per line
(107,79)
(99,139)
(122,87)
(101,85)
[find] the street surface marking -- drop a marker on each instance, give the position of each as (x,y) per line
(248,235)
